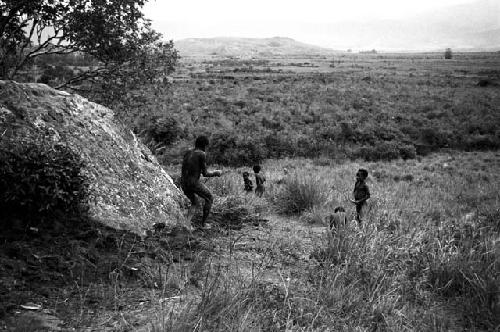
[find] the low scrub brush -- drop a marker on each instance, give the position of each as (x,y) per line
(300,194)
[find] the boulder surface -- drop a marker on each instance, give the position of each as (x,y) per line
(131,189)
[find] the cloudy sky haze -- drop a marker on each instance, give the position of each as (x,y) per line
(327,23)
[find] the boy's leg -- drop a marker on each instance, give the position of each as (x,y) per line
(358,213)
(206,195)
(206,210)
(194,202)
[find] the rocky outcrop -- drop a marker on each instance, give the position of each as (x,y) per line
(132,191)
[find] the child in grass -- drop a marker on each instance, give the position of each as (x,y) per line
(338,219)
(248,182)
(259,181)
(361,193)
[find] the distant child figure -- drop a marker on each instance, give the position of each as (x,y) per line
(337,219)
(259,181)
(248,182)
(361,193)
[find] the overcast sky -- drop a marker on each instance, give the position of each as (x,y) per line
(320,22)
(298,19)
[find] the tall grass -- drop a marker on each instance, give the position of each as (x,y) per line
(426,258)
(301,193)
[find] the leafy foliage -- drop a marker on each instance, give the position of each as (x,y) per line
(233,149)
(41,181)
(158,132)
(115,33)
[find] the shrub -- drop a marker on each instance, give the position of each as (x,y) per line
(433,137)
(407,152)
(279,145)
(159,131)
(448,54)
(230,149)
(381,151)
(481,142)
(300,194)
(40,181)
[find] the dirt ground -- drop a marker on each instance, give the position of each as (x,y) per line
(91,277)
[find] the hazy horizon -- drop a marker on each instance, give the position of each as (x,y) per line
(359,25)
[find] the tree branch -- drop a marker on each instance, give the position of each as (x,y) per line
(82,77)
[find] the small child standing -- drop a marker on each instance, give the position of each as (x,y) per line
(361,193)
(248,182)
(259,181)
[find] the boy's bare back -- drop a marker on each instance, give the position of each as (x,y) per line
(193,165)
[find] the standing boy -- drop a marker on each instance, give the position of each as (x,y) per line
(361,193)
(193,165)
(259,181)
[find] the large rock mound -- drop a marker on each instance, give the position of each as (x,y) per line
(132,191)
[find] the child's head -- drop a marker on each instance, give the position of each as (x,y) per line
(256,168)
(245,175)
(339,209)
(362,174)
(201,142)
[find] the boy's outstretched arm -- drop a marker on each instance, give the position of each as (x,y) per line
(204,171)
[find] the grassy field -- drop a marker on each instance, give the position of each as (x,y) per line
(370,106)
(426,258)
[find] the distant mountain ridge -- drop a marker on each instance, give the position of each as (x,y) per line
(471,26)
(232,46)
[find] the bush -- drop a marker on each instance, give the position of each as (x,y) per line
(381,151)
(407,152)
(481,143)
(230,149)
(448,54)
(300,194)
(158,131)
(434,137)
(41,181)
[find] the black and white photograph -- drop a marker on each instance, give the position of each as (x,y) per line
(226,165)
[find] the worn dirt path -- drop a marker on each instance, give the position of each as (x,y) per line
(270,252)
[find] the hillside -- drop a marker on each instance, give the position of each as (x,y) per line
(246,47)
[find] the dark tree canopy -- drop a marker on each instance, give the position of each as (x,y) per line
(114,32)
